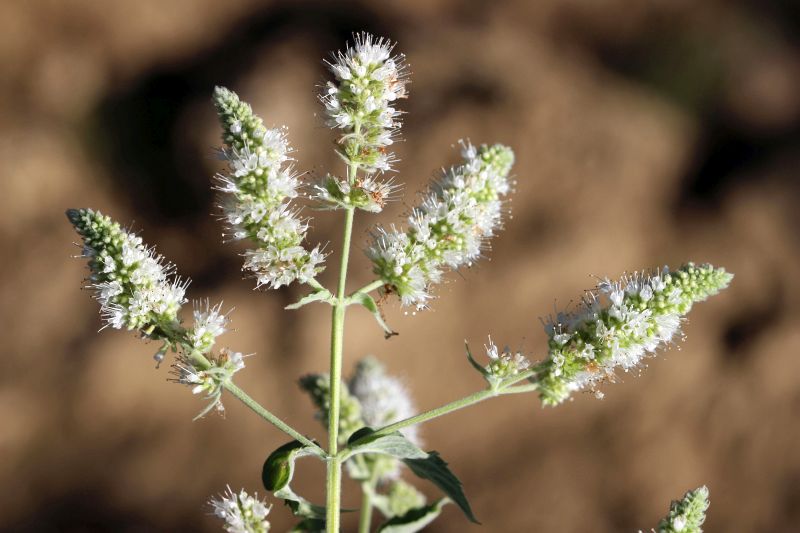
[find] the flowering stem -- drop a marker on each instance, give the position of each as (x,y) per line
(333,479)
(269,417)
(504,388)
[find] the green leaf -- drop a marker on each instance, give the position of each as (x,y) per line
(474,363)
(415,519)
(278,472)
(309,525)
(434,469)
(370,305)
(321,295)
(394,444)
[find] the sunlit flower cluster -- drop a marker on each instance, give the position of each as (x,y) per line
(209,379)
(450,227)
(365,193)
(504,363)
(618,324)
(134,286)
(241,512)
(209,323)
(361,101)
(257,192)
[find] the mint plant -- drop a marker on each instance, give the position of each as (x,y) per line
(371,420)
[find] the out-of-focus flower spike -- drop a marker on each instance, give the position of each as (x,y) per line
(449,229)
(620,323)
(318,386)
(687,514)
(257,192)
(384,398)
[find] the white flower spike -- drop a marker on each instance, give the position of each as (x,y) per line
(620,323)
(449,229)
(257,194)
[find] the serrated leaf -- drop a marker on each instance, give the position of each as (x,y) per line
(415,519)
(370,305)
(278,472)
(316,296)
(434,469)
(394,444)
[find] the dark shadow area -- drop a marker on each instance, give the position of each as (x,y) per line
(135,130)
(685,66)
(86,509)
(745,329)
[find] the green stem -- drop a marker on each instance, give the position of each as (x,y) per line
(365,516)
(334,474)
(505,388)
(269,417)
(377,284)
(439,411)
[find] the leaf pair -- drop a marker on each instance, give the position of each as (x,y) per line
(425,465)
(278,472)
(321,294)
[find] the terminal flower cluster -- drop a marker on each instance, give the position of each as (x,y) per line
(449,229)
(360,102)
(209,323)
(620,323)
(257,194)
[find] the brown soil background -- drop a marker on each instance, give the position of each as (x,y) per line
(647,133)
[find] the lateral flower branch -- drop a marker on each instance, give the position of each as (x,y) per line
(371,419)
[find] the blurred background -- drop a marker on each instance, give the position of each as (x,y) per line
(647,133)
